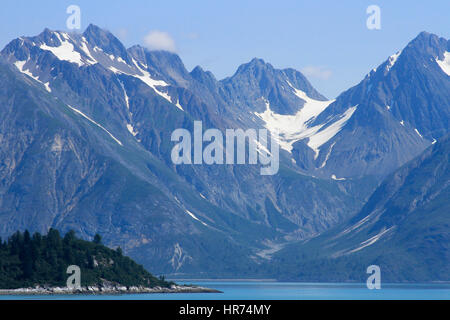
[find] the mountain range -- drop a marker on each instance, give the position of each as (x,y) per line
(86,145)
(403,228)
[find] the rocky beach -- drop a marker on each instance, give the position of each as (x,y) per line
(104,289)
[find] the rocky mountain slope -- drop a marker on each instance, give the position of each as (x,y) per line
(403,228)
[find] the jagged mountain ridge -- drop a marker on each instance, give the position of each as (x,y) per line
(401,107)
(274,95)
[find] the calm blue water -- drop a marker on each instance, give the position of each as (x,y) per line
(246,290)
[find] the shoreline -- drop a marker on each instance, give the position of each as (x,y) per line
(187,280)
(110,290)
(220,280)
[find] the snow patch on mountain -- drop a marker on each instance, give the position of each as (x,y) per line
(194,217)
(357,225)
(321,137)
(152,83)
(47,86)
(131,130)
(445,63)
(327,156)
(65,51)
(418,133)
(118,59)
(312,108)
(261,148)
(125,96)
(130,114)
(97,124)
(86,51)
(20,65)
(179,105)
(292,128)
(145,77)
(115,70)
(392,60)
(370,241)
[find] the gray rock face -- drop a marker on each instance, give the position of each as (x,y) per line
(257,79)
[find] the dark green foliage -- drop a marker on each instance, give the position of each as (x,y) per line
(97,239)
(27,260)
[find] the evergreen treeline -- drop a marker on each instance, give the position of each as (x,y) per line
(28,260)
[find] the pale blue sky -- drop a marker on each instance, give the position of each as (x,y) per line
(327,38)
